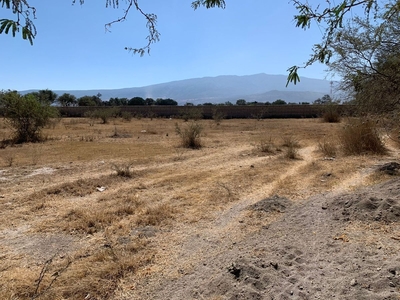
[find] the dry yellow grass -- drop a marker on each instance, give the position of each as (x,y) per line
(72,229)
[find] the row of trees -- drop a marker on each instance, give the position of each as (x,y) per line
(66,99)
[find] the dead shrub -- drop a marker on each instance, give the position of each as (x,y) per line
(266,146)
(291,152)
(9,158)
(361,137)
(328,148)
(291,142)
(123,169)
(190,135)
(292,145)
(331,114)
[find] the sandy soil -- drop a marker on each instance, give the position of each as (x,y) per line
(235,223)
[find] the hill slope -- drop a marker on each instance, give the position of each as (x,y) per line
(258,87)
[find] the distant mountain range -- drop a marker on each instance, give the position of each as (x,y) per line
(258,87)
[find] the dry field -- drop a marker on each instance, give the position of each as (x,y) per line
(71,228)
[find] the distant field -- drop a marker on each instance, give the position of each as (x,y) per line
(72,229)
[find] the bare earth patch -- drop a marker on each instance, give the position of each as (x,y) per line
(232,220)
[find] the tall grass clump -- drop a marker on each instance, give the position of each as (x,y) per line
(328,148)
(190,134)
(361,137)
(124,170)
(331,114)
(292,145)
(266,146)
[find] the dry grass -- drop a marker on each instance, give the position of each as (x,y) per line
(360,136)
(292,145)
(266,146)
(190,134)
(328,148)
(98,242)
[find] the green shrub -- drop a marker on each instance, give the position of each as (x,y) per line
(104,114)
(126,116)
(26,115)
(190,134)
(360,137)
(192,113)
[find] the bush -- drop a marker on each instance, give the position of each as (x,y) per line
(331,113)
(103,114)
(123,170)
(328,148)
(192,113)
(292,146)
(360,137)
(266,146)
(27,115)
(126,116)
(292,152)
(218,116)
(190,135)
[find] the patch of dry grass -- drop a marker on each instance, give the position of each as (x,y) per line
(328,147)
(361,136)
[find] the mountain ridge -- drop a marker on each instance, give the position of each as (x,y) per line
(257,87)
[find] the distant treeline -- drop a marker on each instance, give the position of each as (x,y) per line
(210,111)
(69,100)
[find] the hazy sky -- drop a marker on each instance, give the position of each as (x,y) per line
(73,51)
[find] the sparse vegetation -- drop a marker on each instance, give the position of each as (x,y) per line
(327,147)
(291,144)
(291,152)
(190,134)
(75,217)
(217,116)
(192,113)
(123,169)
(266,146)
(126,116)
(331,113)
(361,136)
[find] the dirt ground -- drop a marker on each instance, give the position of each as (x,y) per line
(236,219)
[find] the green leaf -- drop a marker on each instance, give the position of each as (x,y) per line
(3,23)
(293,76)
(8,26)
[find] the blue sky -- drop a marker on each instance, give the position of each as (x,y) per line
(72,51)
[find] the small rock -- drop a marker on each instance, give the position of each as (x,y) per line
(391,284)
(274,264)
(324,206)
(353,282)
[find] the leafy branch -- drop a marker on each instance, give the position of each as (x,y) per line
(332,17)
(23,12)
